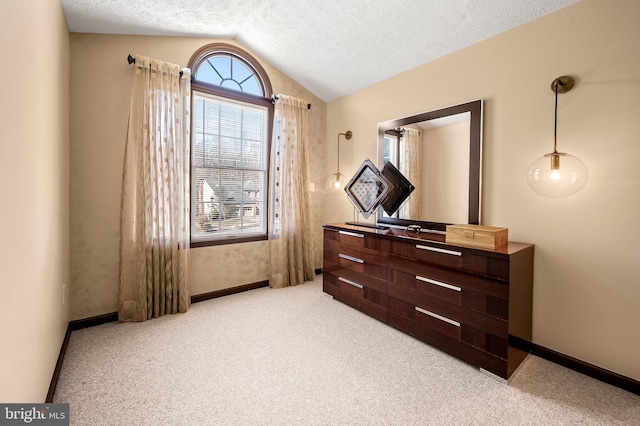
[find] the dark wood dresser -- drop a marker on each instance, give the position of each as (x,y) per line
(472,303)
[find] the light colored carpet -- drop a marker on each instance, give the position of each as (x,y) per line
(297,357)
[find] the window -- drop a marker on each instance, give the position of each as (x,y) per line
(391,149)
(231,132)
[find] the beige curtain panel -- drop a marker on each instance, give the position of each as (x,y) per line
(154,216)
(411,168)
(291,246)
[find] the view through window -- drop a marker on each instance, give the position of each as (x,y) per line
(229,165)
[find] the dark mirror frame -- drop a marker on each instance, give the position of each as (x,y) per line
(475,159)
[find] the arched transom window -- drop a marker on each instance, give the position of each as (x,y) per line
(229,71)
(229,67)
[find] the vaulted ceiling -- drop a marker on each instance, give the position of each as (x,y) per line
(331,47)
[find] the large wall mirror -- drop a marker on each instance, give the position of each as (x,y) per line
(440,153)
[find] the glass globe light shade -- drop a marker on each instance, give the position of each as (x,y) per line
(557,175)
(336,181)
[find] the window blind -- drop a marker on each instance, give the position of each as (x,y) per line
(229,167)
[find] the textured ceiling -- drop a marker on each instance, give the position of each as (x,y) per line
(331,47)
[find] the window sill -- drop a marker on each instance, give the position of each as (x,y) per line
(228,240)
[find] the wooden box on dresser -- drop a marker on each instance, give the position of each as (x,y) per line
(473,303)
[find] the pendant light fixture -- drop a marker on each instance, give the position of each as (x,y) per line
(338,180)
(558,174)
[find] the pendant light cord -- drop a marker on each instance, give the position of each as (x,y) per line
(555,122)
(338,168)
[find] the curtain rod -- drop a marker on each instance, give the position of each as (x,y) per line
(132,60)
(274,98)
(404,130)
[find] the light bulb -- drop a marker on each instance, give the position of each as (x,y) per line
(555,175)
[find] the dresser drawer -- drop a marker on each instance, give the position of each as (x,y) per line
(451,257)
(338,257)
(487,342)
(485,265)
(405,286)
(360,255)
(339,260)
(356,294)
(425,320)
(358,240)
(457,339)
(478,283)
(425,253)
(443,299)
(377,283)
(428,289)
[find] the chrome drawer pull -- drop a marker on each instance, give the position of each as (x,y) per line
(350,282)
(438,283)
(440,317)
(353,234)
(439,250)
(351,258)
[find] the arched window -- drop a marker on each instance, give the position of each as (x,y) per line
(231,133)
(228,66)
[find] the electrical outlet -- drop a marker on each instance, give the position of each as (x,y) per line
(64,293)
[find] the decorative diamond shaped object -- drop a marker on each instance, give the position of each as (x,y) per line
(367,189)
(402,188)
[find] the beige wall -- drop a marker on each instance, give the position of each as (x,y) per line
(34,174)
(586,285)
(100,89)
(445,176)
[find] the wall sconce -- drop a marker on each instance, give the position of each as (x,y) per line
(338,180)
(557,174)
